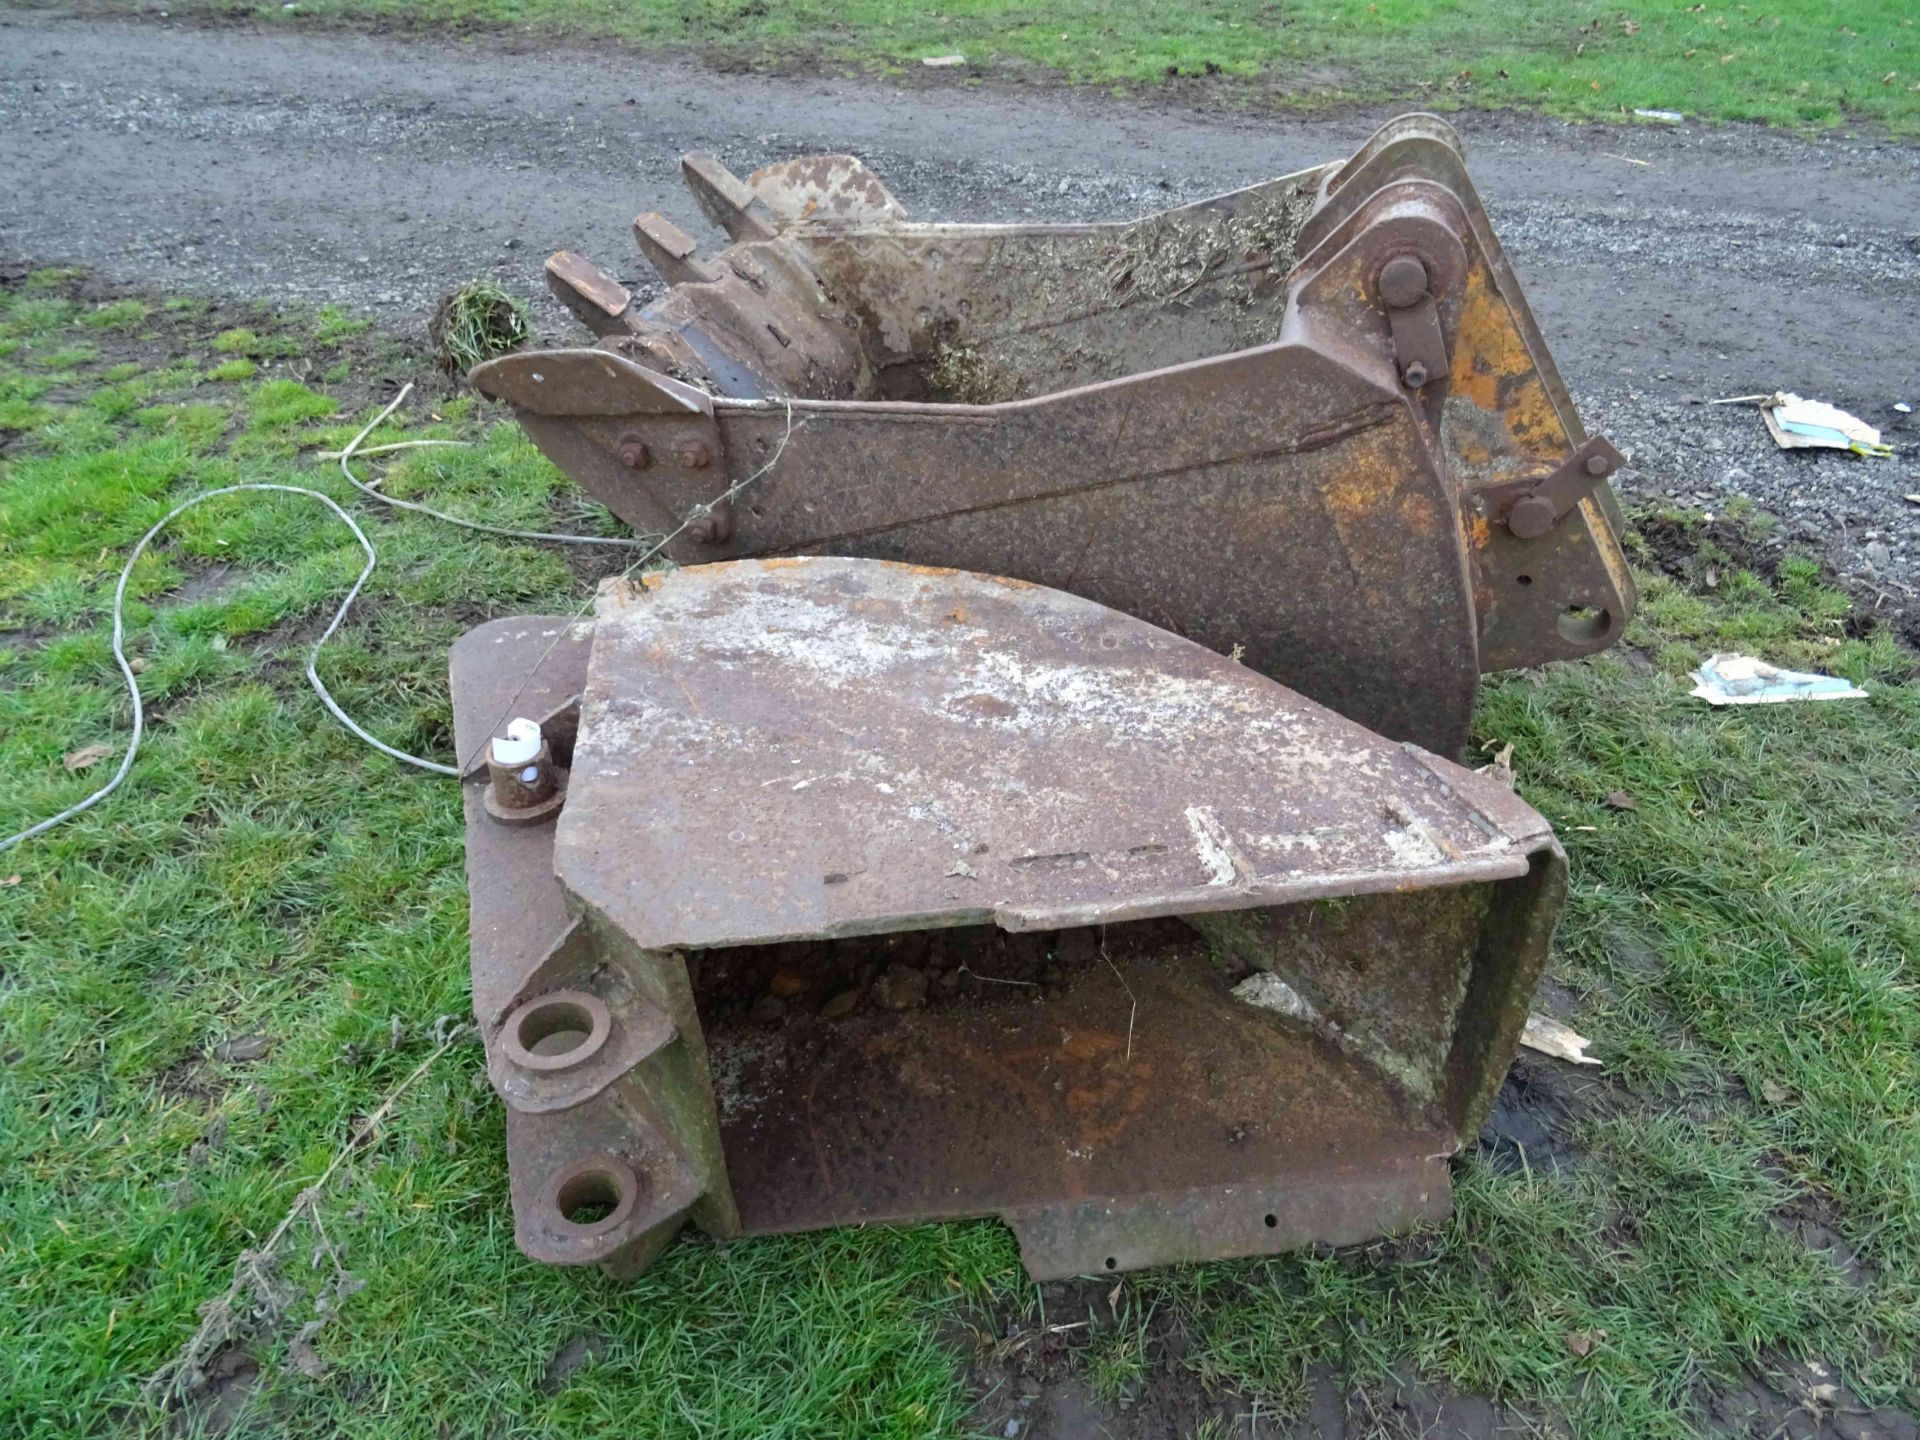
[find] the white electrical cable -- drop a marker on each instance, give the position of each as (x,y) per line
(354,480)
(313,656)
(654,545)
(344,456)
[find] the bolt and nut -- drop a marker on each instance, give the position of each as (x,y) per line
(1403,282)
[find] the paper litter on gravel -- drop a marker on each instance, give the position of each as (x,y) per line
(1798,424)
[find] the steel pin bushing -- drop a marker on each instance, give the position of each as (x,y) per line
(524,786)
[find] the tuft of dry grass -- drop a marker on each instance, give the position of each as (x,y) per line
(476,323)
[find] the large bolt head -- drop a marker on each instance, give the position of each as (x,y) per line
(694,455)
(1403,282)
(633,452)
(1531,518)
(1596,465)
(1415,375)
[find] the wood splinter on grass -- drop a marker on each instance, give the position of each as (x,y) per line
(1563,1042)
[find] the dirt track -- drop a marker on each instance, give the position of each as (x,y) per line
(378,173)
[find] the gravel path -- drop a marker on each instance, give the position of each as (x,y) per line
(377,173)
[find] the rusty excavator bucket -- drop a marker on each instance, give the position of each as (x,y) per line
(825,891)
(1030,793)
(1311,422)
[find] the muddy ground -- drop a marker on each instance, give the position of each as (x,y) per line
(378,173)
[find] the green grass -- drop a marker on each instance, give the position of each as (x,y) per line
(1742,944)
(1790,62)
(238,368)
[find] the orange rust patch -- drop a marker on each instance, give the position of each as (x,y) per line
(1612,557)
(1471,451)
(1479,532)
(1365,486)
(1493,369)
(1415,513)
(1370,492)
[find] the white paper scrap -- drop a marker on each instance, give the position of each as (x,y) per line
(1799,424)
(1743,680)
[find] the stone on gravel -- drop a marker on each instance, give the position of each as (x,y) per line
(901,987)
(842,1004)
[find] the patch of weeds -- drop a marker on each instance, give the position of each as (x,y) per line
(116,402)
(280,404)
(61,598)
(243,341)
(19,413)
(197,425)
(116,315)
(331,325)
(475,323)
(238,368)
(32,317)
(1116,1356)
(52,278)
(65,358)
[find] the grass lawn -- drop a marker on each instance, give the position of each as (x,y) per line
(1790,62)
(1741,946)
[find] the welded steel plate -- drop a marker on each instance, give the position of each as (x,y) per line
(814,747)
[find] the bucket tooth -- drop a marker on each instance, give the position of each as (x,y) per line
(670,251)
(726,199)
(597,300)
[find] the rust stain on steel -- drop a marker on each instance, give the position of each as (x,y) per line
(776,760)
(1106,408)
(1113,739)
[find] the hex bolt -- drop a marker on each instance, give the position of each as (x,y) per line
(1415,375)
(694,454)
(713,527)
(1403,282)
(1596,465)
(633,452)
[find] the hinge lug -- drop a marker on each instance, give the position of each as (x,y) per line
(1419,344)
(1534,506)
